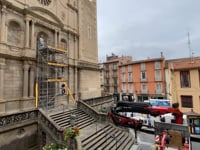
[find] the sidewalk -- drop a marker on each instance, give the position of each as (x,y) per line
(140,145)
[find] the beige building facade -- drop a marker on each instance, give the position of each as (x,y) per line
(184,83)
(70,24)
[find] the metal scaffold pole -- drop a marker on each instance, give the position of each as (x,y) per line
(50,74)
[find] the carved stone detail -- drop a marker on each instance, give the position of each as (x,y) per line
(18,118)
(45,2)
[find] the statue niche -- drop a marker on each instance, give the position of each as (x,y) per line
(15,34)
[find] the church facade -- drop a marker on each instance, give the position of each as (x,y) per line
(67,25)
(71,24)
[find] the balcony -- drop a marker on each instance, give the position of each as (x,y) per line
(158,91)
(115,84)
(115,76)
(114,69)
(106,76)
(123,80)
(123,91)
(106,84)
(130,80)
(143,79)
(130,90)
(158,79)
(106,69)
(143,91)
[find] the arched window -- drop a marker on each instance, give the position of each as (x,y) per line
(15,34)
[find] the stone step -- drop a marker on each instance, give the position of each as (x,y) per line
(126,143)
(80,124)
(66,119)
(100,131)
(86,123)
(108,138)
(111,138)
(129,144)
(98,138)
(116,141)
(62,119)
(66,112)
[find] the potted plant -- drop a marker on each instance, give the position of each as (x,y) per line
(71,133)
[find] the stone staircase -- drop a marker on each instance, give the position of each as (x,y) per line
(62,119)
(94,135)
(107,137)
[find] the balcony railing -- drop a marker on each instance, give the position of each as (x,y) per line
(143,79)
(114,69)
(158,79)
(158,91)
(115,76)
(144,91)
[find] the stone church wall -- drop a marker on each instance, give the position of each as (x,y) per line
(13,79)
(20,138)
(21,23)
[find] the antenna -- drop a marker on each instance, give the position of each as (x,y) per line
(189,47)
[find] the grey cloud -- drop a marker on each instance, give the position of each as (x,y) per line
(144,28)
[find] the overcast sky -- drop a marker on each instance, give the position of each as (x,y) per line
(144,28)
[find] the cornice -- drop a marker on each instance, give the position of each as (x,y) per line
(30,12)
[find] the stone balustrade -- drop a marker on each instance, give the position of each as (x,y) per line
(11,121)
(85,105)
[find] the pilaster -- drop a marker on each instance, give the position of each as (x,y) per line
(31,87)
(56,38)
(3,24)
(27,20)
(25,85)
(2,69)
(32,34)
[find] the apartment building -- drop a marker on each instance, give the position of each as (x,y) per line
(143,79)
(184,83)
(111,72)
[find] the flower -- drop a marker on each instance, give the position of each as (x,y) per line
(71,133)
(53,146)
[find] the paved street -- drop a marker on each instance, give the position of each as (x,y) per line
(145,141)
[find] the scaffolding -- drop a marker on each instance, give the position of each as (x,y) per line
(51,79)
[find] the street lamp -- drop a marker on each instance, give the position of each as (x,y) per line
(114,136)
(72,119)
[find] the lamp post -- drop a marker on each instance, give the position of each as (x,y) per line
(72,121)
(115,138)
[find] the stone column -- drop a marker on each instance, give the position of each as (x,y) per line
(59,39)
(76,83)
(76,64)
(25,86)
(31,86)
(56,38)
(3,24)
(32,35)
(27,20)
(2,68)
